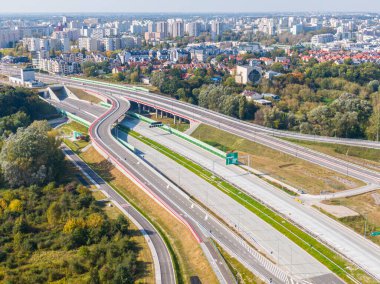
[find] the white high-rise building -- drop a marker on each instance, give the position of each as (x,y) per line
(162,27)
(176,28)
(193,28)
(89,44)
(216,27)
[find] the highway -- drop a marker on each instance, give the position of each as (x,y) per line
(245,130)
(264,237)
(163,266)
(7,69)
(345,240)
(360,250)
(181,205)
(279,201)
(307,218)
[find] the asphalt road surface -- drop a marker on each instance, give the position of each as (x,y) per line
(203,224)
(354,246)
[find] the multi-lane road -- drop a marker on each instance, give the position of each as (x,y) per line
(349,243)
(245,130)
(352,245)
(250,132)
(181,205)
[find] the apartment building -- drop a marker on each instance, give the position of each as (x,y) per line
(89,44)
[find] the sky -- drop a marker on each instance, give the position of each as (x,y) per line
(196,6)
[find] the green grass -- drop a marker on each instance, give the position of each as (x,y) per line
(67,129)
(83,95)
(283,167)
(354,154)
(240,272)
(182,127)
(321,252)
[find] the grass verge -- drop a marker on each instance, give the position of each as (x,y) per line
(366,157)
(183,126)
(83,95)
(291,170)
(331,259)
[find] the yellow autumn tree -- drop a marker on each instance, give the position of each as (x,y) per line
(15,206)
(3,203)
(74,223)
(95,220)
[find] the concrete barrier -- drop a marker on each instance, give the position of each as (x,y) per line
(126,144)
(75,118)
(106,105)
(182,135)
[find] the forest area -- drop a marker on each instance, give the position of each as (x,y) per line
(51,227)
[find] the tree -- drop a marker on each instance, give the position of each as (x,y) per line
(242,107)
(20,226)
(135,77)
(72,224)
(31,156)
(54,213)
(9,124)
(374,85)
(373,129)
(119,76)
(158,79)
(15,206)
(122,275)
(230,82)
(277,67)
(94,276)
(95,220)
(181,93)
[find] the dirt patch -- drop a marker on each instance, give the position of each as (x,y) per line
(369,213)
(345,181)
(376,198)
(338,211)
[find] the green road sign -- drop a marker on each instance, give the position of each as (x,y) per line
(375,234)
(232,159)
(77,134)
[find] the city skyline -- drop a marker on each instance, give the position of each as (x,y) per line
(195,6)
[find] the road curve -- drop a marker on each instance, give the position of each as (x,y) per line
(310,214)
(165,268)
(180,204)
(155,242)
